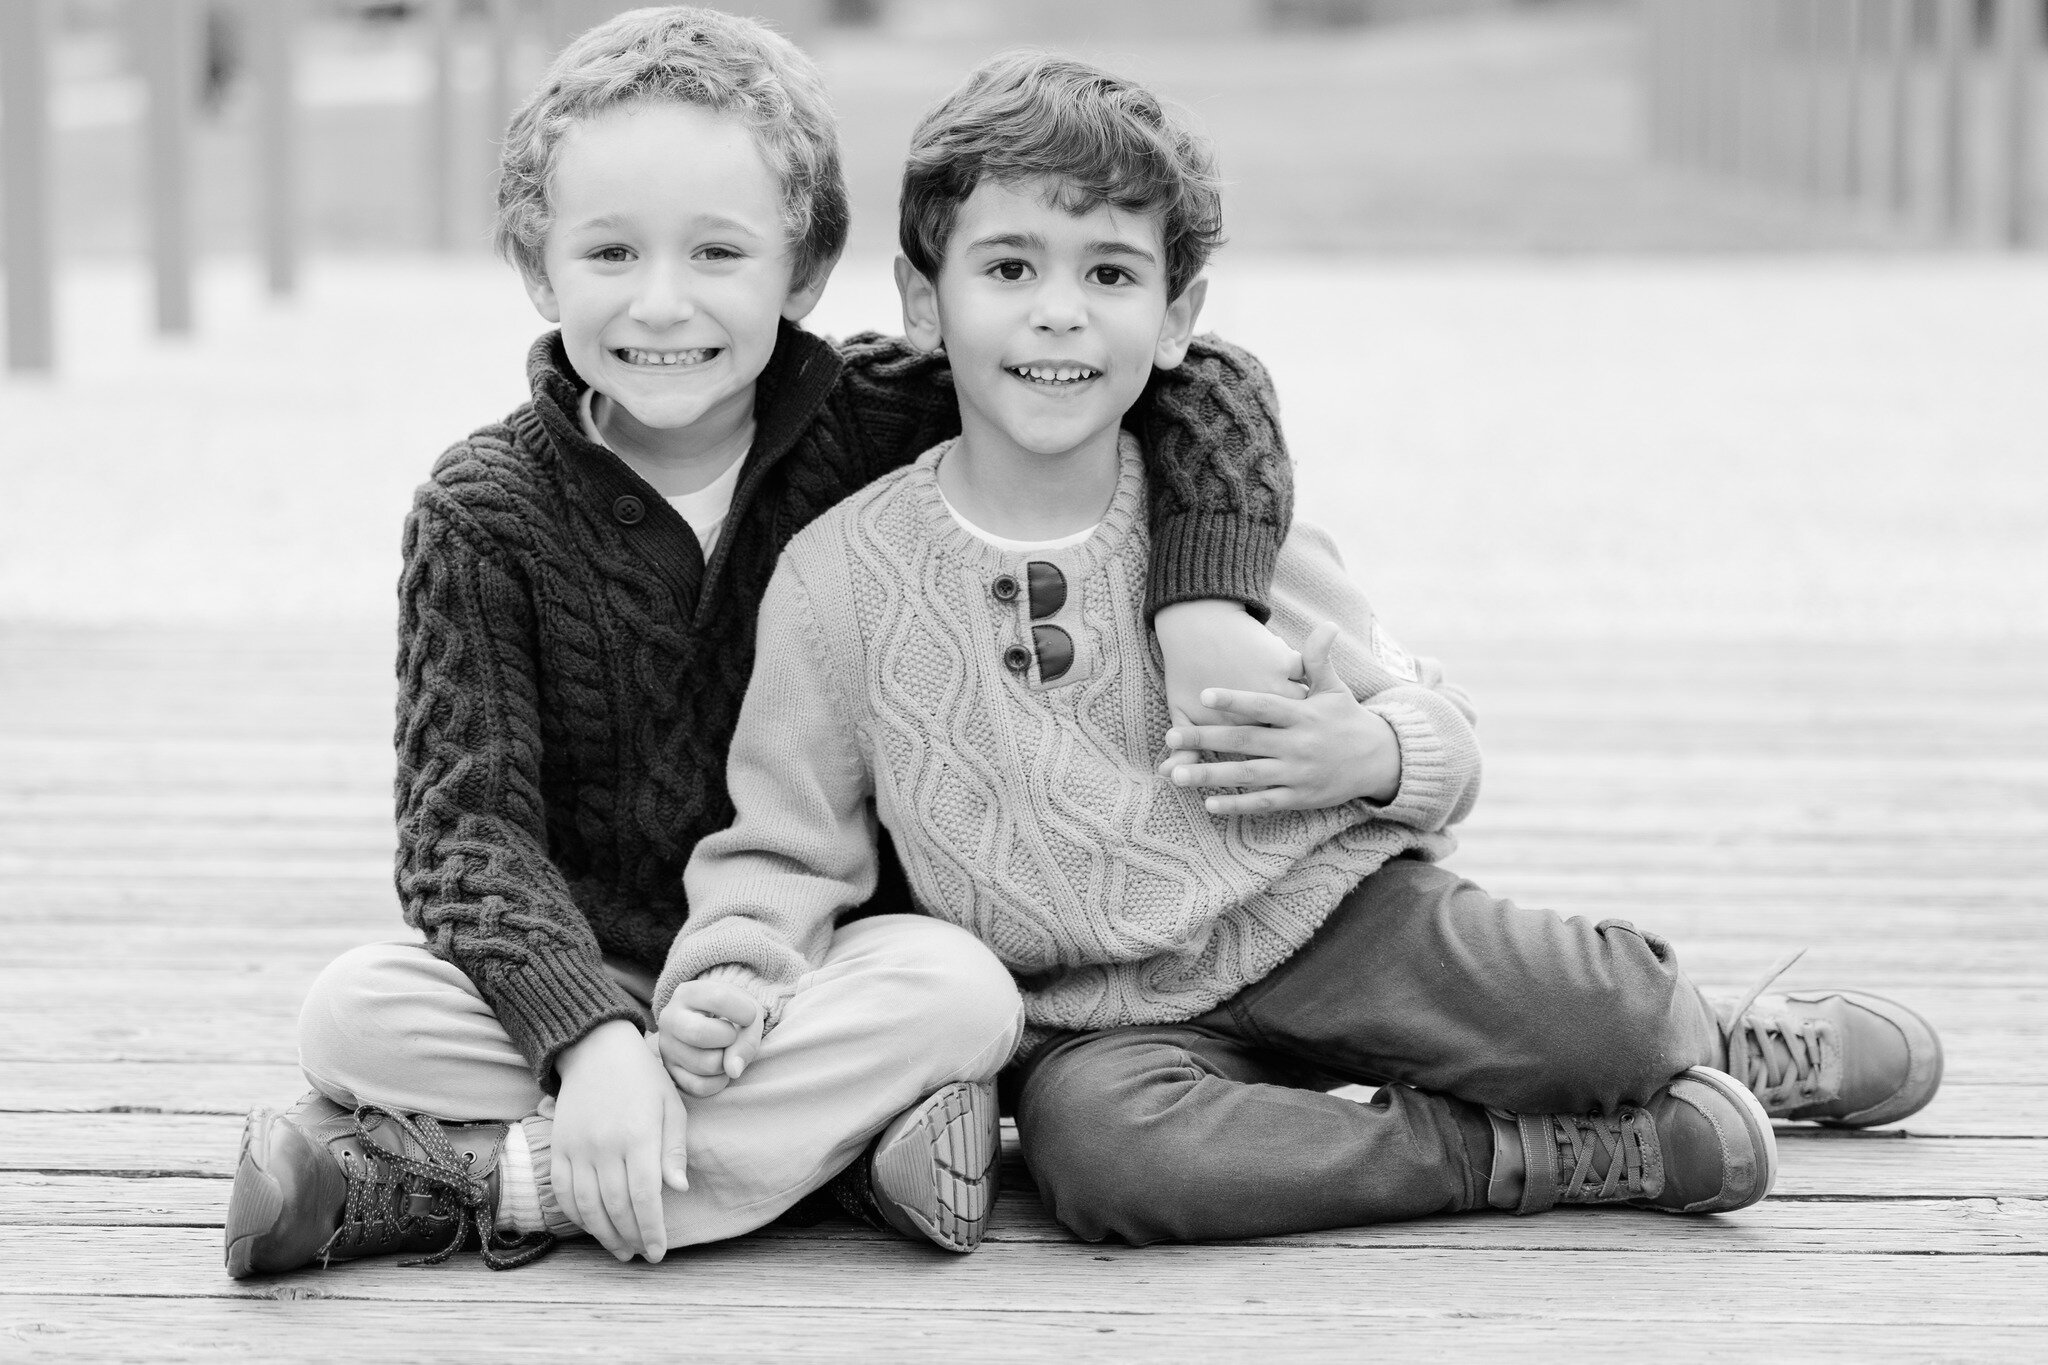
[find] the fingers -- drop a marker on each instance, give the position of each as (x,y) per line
(1258,772)
(643,1192)
(589,1208)
(1315,658)
(1260,741)
(675,1150)
(695,1029)
(1258,802)
(1252,708)
(719,998)
(741,1054)
(701,1087)
(616,1193)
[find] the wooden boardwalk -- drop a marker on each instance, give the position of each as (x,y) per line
(193,821)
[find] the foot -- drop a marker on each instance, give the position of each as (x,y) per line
(1844,1058)
(932,1173)
(1701,1145)
(320,1182)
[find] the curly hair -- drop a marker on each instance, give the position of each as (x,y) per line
(693,56)
(1096,137)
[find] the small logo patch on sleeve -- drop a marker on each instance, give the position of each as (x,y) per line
(1392,657)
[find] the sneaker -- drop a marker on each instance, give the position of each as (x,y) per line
(932,1172)
(1701,1145)
(1844,1058)
(320,1182)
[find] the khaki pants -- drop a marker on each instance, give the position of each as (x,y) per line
(900,1006)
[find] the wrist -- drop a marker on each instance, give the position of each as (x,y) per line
(606,1037)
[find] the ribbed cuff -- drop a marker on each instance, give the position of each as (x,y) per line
(1429,776)
(1198,555)
(545,1010)
(540,1152)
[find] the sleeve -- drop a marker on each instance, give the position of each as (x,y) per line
(1220,483)
(1432,719)
(473,871)
(765,893)
(898,400)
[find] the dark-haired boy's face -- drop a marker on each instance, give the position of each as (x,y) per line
(1053,321)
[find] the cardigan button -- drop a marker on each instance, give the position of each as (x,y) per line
(628,510)
(1004,588)
(1017,658)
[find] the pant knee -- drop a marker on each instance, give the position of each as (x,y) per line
(952,987)
(1626,1030)
(345,1015)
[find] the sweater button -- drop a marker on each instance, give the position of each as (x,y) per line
(1004,588)
(1016,658)
(628,510)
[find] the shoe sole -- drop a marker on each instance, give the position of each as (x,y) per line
(1757,1124)
(256,1200)
(936,1165)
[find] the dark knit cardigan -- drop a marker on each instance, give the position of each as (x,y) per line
(570,670)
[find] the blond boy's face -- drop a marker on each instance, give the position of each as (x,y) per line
(667,265)
(1052,321)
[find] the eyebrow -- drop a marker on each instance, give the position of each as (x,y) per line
(612,222)
(1026,241)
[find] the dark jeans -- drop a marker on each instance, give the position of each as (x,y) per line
(1419,982)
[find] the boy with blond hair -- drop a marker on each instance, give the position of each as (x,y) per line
(962,644)
(577,625)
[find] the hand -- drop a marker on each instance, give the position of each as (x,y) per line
(710,1030)
(1300,755)
(1216,644)
(619,1137)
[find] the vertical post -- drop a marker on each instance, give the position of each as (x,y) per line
(440,116)
(1955,30)
(1725,102)
(1811,51)
(169,32)
(1851,145)
(274,24)
(2019,41)
(25,155)
(1898,105)
(502,90)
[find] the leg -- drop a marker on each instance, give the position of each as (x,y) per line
(1421,978)
(901,1006)
(1186,1133)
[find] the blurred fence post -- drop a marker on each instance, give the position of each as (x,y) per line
(502,90)
(2019,42)
(275,24)
(25,154)
(1898,104)
(170,56)
(440,131)
(1852,41)
(1955,37)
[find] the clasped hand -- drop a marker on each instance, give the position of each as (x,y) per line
(1298,752)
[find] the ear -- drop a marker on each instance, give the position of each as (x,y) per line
(543,295)
(804,298)
(920,306)
(1177,329)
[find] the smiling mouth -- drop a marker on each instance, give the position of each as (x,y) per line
(667,359)
(1054,376)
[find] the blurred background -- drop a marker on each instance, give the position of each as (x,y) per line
(1589,316)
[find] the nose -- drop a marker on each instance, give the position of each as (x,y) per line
(1058,305)
(663,297)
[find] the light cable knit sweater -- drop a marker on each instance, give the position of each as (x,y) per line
(895,675)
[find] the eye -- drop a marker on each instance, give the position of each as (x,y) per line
(1008,270)
(718,253)
(1109,275)
(612,255)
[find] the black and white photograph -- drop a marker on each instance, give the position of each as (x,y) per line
(1041,680)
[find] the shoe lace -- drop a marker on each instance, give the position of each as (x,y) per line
(1626,1141)
(382,1202)
(1796,1060)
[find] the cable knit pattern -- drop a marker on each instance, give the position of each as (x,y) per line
(570,669)
(1026,810)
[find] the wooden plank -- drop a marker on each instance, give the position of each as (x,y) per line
(176,1086)
(1939,1227)
(266,1329)
(1815,1164)
(1365,1283)
(25,191)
